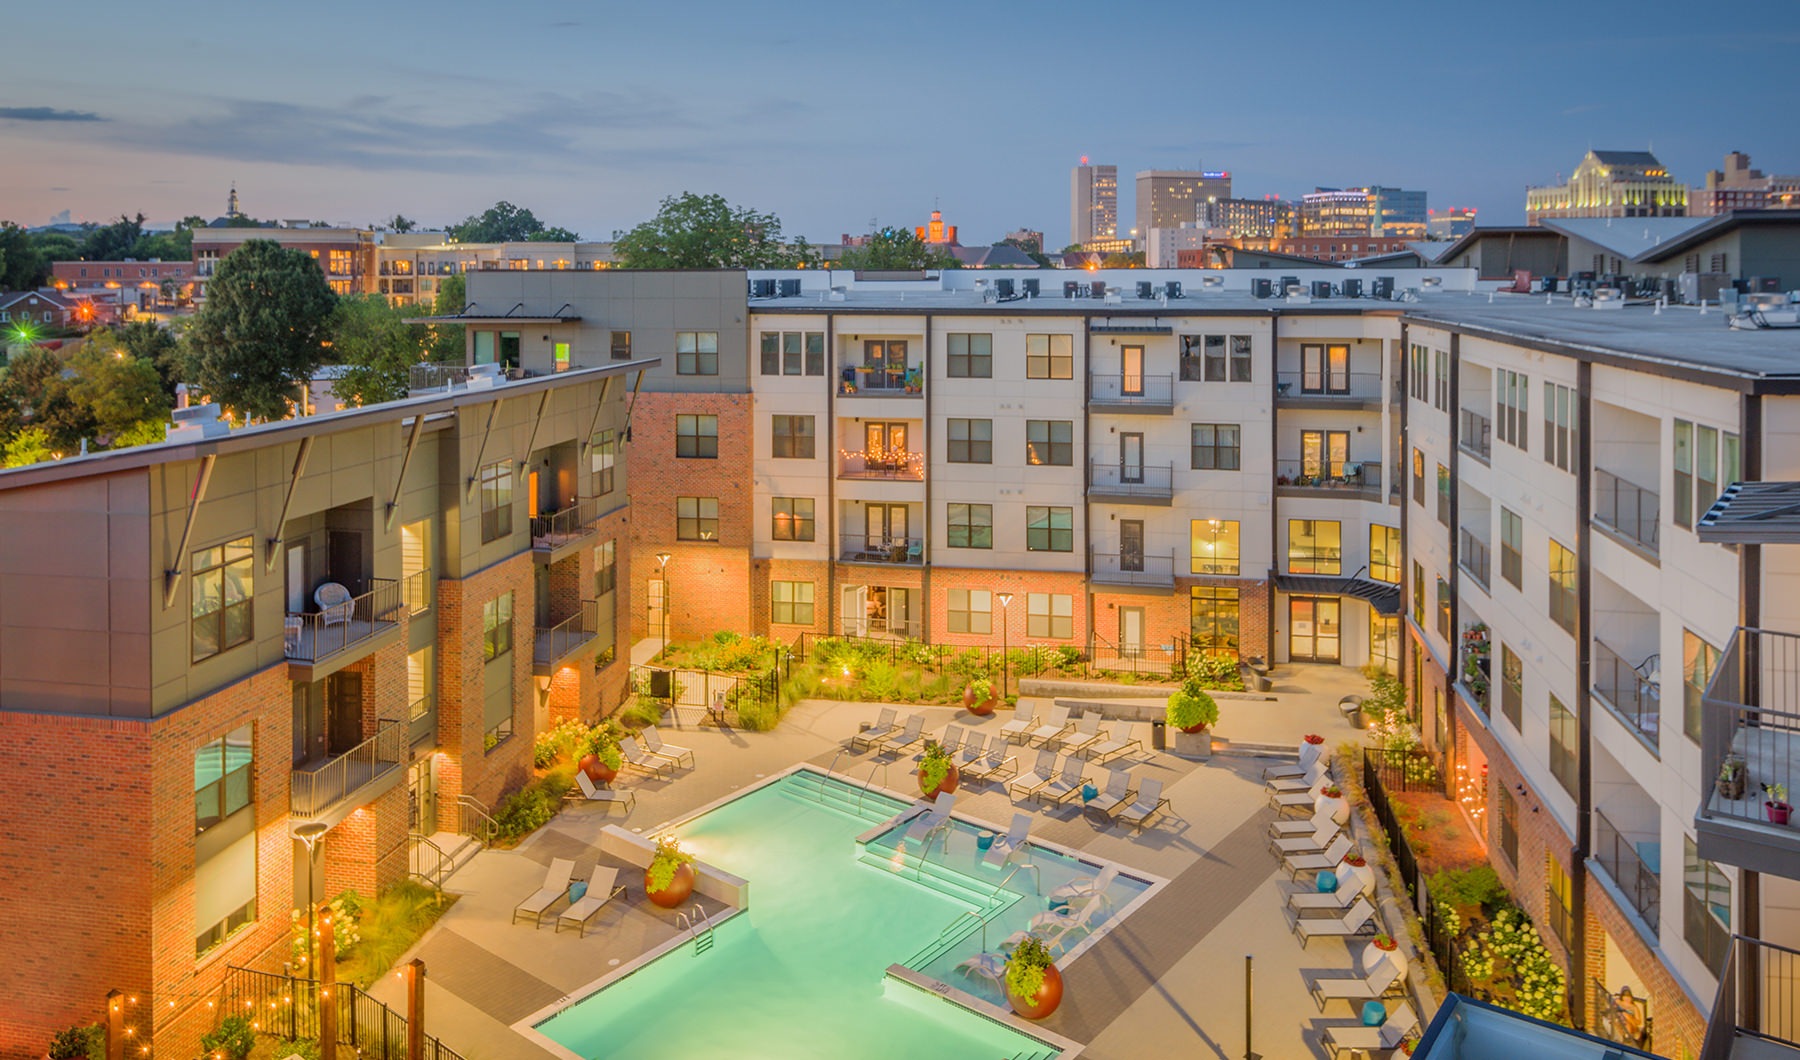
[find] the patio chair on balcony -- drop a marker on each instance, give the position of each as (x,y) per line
(602,888)
(555,888)
(336,605)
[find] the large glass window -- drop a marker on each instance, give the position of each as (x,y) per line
(1562,586)
(1215,447)
(1509,825)
(1443,494)
(791,437)
(792,603)
(793,518)
(620,345)
(1560,414)
(496,501)
(1216,358)
(1050,615)
(1418,477)
(969,356)
(223,777)
(222,591)
(696,353)
(969,611)
(603,456)
(497,627)
(793,353)
(606,567)
(1512,398)
(696,518)
(1706,469)
(1705,907)
(1050,442)
(970,526)
(1213,546)
(1698,661)
(1323,454)
(1384,553)
(1443,610)
(1324,369)
(1560,901)
(1565,740)
(697,437)
(1512,548)
(1315,546)
(971,441)
(1049,356)
(1684,474)
(1512,687)
(1049,529)
(1213,620)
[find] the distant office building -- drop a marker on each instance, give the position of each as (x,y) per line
(1454,223)
(1739,187)
(1026,237)
(1170,198)
(1372,210)
(1163,246)
(1340,247)
(1398,212)
(142,284)
(936,233)
(1248,218)
(1111,246)
(1093,202)
(1611,184)
(347,255)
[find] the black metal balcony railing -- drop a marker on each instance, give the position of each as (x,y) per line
(1630,509)
(1349,387)
(1360,476)
(314,792)
(1475,434)
(1151,391)
(560,528)
(559,640)
(1472,552)
(895,465)
(1749,713)
(878,381)
(1637,878)
(321,634)
(878,548)
(419,586)
(1147,569)
(1631,694)
(1147,481)
(1758,998)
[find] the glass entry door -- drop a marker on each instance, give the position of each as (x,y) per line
(1131,458)
(1313,629)
(1131,378)
(1131,632)
(1131,544)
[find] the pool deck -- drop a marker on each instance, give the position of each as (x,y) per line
(1168,977)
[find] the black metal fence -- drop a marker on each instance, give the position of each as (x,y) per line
(1417,769)
(1443,938)
(289,1007)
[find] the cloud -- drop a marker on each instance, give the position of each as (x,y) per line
(46,114)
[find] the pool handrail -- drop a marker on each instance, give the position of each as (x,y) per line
(883,767)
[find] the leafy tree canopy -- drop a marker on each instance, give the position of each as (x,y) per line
(505,223)
(897,248)
(23,265)
(693,231)
(447,339)
(119,391)
(402,223)
(1132,260)
(261,331)
(370,338)
(147,341)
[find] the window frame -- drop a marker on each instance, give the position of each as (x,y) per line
(1050,355)
(219,791)
(496,627)
(694,527)
(1220,533)
(969,362)
(1049,444)
(787,432)
(603,460)
(497,500)
(1049,616)
(1564,574)
(1317,556)
(693,441)
(801,514)
(971,531)
(977,616)
(696,358)
(1512,547)
(972,450)
(1389,546)
(229,565)
(799,612)
(1565,745)
(1042,534)
(1212,455)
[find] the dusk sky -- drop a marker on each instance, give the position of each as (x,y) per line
(830,115)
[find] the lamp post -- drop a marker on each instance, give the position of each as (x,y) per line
(310,833)
(662,573)
(1004,598)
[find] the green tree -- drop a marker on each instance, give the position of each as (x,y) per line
(377,348)
(447,340)
(897,249)
(693,231)
(116,390)
(505,223)
(1132,260)
(35,392)
(29,446)
(261,331)
(402,223)
(25,265)
(114,241)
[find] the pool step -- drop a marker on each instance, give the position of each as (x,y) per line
(975,890)
(814,790)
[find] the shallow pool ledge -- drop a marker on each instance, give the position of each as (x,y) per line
(713,882)
(1066,1048)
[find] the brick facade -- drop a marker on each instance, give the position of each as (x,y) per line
(467,767)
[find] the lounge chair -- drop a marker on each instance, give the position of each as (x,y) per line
(1086,734)
(914,733)
(1331,901)
(1067,784)
(953,738)
(1006,846)
(996,766)
(602,888)
(591,792)
(884,728)
(988,966)
(1042,773)
(1114,741)
(1303,782)
(1292,827)
(336,606)
(1024,720)
(1119,792)
(1078,891)
(1289,801)
(1357,919)
(1292,769)
(969,755)
(1052,729)
(1340,1038)
(1148,802)
(555,889)
(1351,989)
(1295,864)
(1057,918)
(1058,935)
(638,758)
(653,742)
(1305,844)
(932,821)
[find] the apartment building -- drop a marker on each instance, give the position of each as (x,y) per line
(409,266)
(345,255)
(242,669)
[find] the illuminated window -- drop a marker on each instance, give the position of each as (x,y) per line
(497,627)
(1315,546)
(1049,442)
(1384,553)
(793,518)
(1213,546)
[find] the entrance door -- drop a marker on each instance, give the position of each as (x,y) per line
(344,711)
(1131,632)
(296,578)
(1323,454)
(1313,629)
(853,610)
(1131,544)
(1131,379)
(1131,458)
(421,785)
(884,446)
(899,612)
(887,530)
(346,550)
(654,613)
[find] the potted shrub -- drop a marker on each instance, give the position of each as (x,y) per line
(937,773)
(1190,709)
(601,759)
(1384,948)
(669,879)
(978,698)
(1033,985)
(1331,797)
(1777,806)
(1312,746)
(1354,874)
(1732,777)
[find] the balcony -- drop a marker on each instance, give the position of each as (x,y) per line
(327,640)
(330,791)
(1328,390)
(1295,478)
(1756,1013)
(419,587)
(1141,571)
(880,548)
(860,381)
(1131,483)
(1143,395)
(1473,556)
(555,646)
(1475,435)
(1630,512)
(1750,714)
(1629,693)
(1633,866)
(900,465)
(561,534)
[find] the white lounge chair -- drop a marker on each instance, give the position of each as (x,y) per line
(1331,901)
(988,966)
(1115,741)
(1119,792)
(1305,844)
(638,758)
(1295,864)
(883,729)
(602,888)
(1292,769)
(1024,720)
(336,606)
(1077,891)
(1085,735)
(555,889)
(1013,842)
(1058,935)
(953,738)
(1289,801)
(591,792)
(1292,827)
(914,733)
(1148,802)
(1067,784)
(1351,989)
(1302,782)
(1042,773)
(932,820)
(974,746)
(1355,921)
(1052,729)
(1340,1038)
(653,742)
(996,766)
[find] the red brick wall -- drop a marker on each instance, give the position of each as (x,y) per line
(1019,583)
(1678,1027)
(466,767)
(764,571)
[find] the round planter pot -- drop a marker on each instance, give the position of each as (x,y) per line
(1357,878)
(1373,956)
(981,709)
(1044,1001)
(945,787)
(1191,729)
(1309,753)
(676,892)
(596,769)
(1340,810)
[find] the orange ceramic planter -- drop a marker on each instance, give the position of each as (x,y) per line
(676,892)
(1044,1002)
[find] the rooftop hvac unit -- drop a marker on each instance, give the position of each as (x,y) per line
(1144,288)
(1382,287)
(1321,288)
(1289,284)
(1260,287)
(789,288)
(1003,288)
(1765,284)
(1071,288)
(1694,287)
(762,288)
(1172,289)
(1353,288)
(1031,287)
(1099,289)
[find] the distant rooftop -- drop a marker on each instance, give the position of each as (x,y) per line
(1625,236)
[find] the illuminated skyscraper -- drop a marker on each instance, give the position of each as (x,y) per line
(1093,202)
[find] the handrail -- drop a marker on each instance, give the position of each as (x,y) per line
(418,840)
(1109,388)
(311,794)
(572,632)
(418,591)
(692,926)
(558,528)
(1139,479)
(1037,879)
(484,827)
(831,769)
(865,788)
(309,637)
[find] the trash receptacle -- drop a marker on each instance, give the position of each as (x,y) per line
(1159,735)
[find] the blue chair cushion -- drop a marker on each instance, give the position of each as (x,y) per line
(1089,793)
(1374,1014)
(1328,882)
(577,890)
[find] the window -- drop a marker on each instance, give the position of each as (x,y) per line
(606,567)
(222,589)
(1049,529)
(496,501)
(1384,553)
(1049,356)
(1512,395)
(1240,359)
(1443,609)
(791,437)
(971,441)
(1443,494)
(969,611)
(223,777)
(1216,358)
(1562,586)
(1730,459)
(1559,424)
(1509,825)
(1684,474)
(1698,661)
(1213,620)
(1315,547)
(793,518)
(815,353)
(1706,469)
(1050,615)
(1213,546)
(1705,907)
(496,627)
(696,353)
(603,456)
(1050,442)
(1512,547)
(1560,901)
(559,353)
(224,894)
(696,437)
(1418,594)
(621,345)
(1565,737)
(1441,387)
(419,683)
(1324,369)
(970,356)
(792,603)
(1512,687)
(970,526)
(1418,373)
(696,518)
(1419,477)
(1216,447)
(793,353)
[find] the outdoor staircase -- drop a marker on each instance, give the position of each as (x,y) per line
(437,857)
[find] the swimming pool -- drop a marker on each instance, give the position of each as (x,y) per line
(803,972)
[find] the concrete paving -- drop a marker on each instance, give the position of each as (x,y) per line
(1168,980)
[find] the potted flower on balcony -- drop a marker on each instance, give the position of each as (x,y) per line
(937,773)
(601,759)
(1777,806)
(1732,777)
(1033,985)
(978,698)
(669,879)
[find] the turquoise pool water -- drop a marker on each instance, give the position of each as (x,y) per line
(802,974)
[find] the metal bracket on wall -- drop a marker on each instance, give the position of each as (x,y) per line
(481,450)
(636,384)
(536,422)
(172,576)
(587,441)
(272,550)
(412,442)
